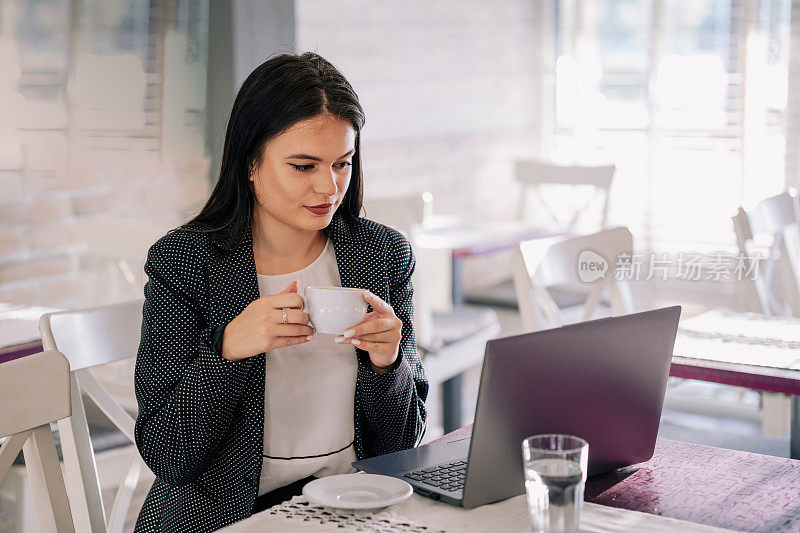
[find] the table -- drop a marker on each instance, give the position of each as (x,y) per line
(702,484)
(714,347)
(461,240)
(748,376)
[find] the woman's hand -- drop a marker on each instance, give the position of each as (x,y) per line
(378,334)
(260,328)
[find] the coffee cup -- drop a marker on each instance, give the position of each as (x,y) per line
(334,309)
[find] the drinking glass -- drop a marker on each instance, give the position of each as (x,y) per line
(555,473)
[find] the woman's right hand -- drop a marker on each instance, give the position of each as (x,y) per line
(260,328)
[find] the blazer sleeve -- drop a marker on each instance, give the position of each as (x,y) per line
(187,394)
(394,403)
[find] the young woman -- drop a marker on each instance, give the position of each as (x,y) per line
(240,403)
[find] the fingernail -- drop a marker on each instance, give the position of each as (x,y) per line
(355,341)
(338,339)
(310,338)
(349,333)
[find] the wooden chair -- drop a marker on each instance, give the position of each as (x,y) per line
(90,338)
(449,343)
(536,176)
(542,263)
(775,291)
(565,199)
(35,391)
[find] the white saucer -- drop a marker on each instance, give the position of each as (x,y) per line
(357,491)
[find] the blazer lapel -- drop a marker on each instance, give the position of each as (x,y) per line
(358,261)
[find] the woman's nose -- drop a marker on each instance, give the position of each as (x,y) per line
(326,183)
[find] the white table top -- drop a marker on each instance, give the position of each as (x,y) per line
(741,338)
(507,516)
(457,233)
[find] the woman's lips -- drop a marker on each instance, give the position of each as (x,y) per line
(320,210)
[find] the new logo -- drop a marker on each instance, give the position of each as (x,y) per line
(591,266)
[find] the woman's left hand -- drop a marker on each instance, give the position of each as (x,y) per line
(378,334)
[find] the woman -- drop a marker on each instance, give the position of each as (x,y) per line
(240,403)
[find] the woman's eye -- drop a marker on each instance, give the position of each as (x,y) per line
(344,164)
(301,168)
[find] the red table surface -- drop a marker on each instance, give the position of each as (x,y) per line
(713,486)
(749,376)
(21,350)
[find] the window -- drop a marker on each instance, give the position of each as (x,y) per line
(687,97)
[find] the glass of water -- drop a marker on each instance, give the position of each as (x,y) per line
(555,473)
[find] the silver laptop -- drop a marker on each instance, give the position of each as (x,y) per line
(603,380)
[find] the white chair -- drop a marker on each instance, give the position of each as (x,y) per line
(90,338)
(566,199)
(449,343)
(774,287)
(773,223)
(536,176)
(542,263)
(34,391)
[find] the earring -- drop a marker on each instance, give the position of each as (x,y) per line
(250,176)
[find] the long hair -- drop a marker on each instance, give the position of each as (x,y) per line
(279,93)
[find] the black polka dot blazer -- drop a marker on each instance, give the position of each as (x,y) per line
(201,417)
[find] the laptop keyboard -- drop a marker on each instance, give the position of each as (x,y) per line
(446,476)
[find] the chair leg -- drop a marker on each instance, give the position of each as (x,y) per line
(79,466)
(9,451)
(122,502)
(47,482)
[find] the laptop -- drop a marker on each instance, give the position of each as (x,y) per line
(602,380)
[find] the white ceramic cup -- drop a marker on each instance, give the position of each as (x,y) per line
(334,309)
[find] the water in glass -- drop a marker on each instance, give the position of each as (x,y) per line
(555,492)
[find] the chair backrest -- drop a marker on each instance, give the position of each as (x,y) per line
(35,391)
(589,259)
(775,284)
(533,175)
(90,338)
(94,336)
(406,214)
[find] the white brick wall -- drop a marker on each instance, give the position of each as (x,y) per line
(60,184)
(449,89)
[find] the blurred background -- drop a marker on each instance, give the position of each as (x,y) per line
(681,114)
(118,109)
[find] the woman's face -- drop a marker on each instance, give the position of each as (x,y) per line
(306,166)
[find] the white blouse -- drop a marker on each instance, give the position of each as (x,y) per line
(310,390)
